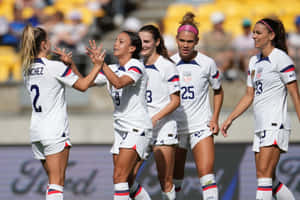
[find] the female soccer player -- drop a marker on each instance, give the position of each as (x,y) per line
(271,74)
(196,123)
(45,80)
(162,99)
(132,124)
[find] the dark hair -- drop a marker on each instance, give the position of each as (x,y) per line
(161,48)
(188,19)
(31,44)
(136,42)
(276,26)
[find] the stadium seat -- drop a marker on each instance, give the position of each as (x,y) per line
(6,10)
(10,64)
(178,10)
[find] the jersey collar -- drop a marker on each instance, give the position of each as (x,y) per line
(151,67)
(263,59)
(38,60)
(193,62)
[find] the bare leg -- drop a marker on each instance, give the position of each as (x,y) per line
(165,160)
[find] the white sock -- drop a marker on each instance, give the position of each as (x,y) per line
(264,189)
(209,187)
(121,191)
(137,192)
(169,195)
(55,192)
(281,191)
(178,185)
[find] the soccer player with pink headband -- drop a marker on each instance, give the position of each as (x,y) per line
(196,123)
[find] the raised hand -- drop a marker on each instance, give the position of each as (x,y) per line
(65,57)
(95,53)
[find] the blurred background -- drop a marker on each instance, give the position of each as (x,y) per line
(225,28)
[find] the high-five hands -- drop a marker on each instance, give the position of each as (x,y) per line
(65,56)
(95,53)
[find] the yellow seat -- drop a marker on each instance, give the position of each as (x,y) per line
(170,26)
(6,10)
(10,64)
(87,16)
(178,10)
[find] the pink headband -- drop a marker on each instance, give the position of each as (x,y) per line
(267,25)
(187,27)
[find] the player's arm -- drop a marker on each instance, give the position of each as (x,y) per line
(66,57)
(169,108)
(117,82)
(217,104)
(241,107)
(294,92)
(97,56)
(83,83)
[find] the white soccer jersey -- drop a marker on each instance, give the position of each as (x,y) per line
(46,82)
(163,81)
(129,102)
(268,77)
(195,77)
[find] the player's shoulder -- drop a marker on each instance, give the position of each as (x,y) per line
(176,58)
(253,59)
(205,61)
(52,62)
(54,66)
(278,55)
(202,58)
(166,63)
(113,67)
(134,62)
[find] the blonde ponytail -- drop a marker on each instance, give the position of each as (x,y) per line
(31,45)
(27,48)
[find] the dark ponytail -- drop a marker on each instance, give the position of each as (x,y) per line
(276,26)
(136,42)
(161,48)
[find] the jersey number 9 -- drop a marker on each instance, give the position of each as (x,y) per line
(117,98)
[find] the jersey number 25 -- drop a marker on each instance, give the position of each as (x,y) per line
(187,92)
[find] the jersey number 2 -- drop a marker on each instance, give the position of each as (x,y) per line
(36,97)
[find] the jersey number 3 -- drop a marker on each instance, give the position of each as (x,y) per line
(36,97)
(258,87)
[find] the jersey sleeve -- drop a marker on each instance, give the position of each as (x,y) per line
(172,76)
(63,73)
(100,79)
(286,69)
(214,76)
(250,72)
(135,72)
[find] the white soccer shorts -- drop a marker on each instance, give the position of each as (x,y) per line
(42,149)
(165,132)
(190,140)
(137,139)
(279,137)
